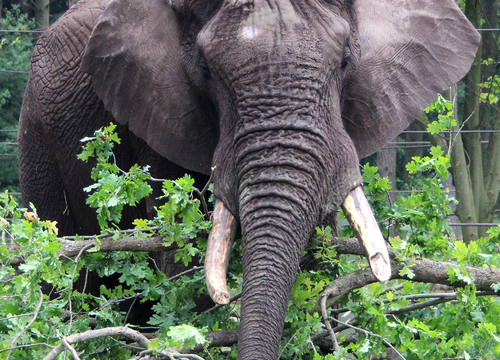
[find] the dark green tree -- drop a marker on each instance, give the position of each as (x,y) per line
(15,53)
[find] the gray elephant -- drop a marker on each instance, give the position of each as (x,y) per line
(283,97)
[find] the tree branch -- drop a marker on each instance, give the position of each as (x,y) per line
(94,334)
(70,348)
(424,270)
(70,248)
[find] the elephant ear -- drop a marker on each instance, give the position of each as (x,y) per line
(134,59)
(410,51)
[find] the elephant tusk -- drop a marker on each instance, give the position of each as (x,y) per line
(360,216)
(219,245)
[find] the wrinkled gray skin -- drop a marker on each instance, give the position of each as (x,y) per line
(282,96)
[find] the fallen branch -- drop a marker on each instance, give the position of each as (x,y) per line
(426,271)
(70,348)
(71,248)
(94,334)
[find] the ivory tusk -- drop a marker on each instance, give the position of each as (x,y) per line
(360,216)
(219,245)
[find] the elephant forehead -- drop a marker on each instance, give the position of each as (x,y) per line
(265,25)
(264,41)
(262,17)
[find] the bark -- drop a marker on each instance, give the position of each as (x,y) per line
(472,141)
(491,176)
(42,8)
(490,119)
(483,161)
(94,334)
(490,51)
(424,270)
(466,210)
(410,153)
(386,162)
(24,6)
(70,248)
(71,3)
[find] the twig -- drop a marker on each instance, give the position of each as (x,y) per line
(201,194)
(71,285)
(366,332)
(418,306)
(288,342)
(16,316)
(312,344)
(170,355)
(451,296)
(26,346)
(70,348)
(193,269)
(94,334)
(458,132)
(392,289)
(35,315)
(187,356)
(157,268)
(85,286)
(234,298)
(109,233)
(328,325)
(129,310)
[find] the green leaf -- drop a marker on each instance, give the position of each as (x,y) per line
(185,334)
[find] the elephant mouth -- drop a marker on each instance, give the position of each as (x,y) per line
(357,211)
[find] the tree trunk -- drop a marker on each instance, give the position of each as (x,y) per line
(410,153)
(24,6)
(490,119)
(386,162)
(42,8)
(71,3)
(472,141)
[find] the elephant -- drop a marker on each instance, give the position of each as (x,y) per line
(282,98)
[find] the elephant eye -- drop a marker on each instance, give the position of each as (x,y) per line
(203,70)
(347,61)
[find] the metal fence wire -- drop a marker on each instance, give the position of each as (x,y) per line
(391,145)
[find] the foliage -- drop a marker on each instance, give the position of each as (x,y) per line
(15,53)
(491,87)
(36,242)
(468,327)
(114,188)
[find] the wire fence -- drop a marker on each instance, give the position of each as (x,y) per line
(391,145)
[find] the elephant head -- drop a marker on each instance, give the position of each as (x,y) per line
(282,98)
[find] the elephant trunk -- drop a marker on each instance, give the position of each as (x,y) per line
(275,229)
(280,196)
